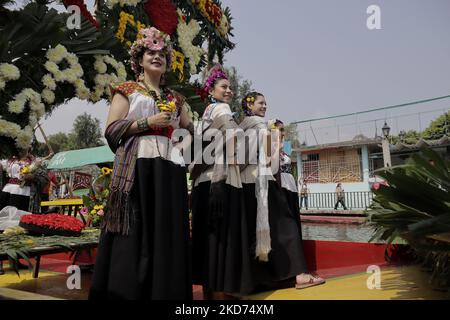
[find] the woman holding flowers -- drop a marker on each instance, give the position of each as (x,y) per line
(143,249)
(16,191)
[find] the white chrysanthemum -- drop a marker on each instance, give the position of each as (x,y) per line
(49,82)
(51,66)
(16,106)
(79,83)
(60,76)
(23,140)
(9,71)
(54,56)
(77,70)
(186,34)
(57,53)
(122,72)
(9,129)
(83,93)
(48,96)
(101,80)
(70,75)
(100,66)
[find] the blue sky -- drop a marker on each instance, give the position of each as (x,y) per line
(315,58)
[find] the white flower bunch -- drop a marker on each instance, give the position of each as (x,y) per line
(103,79)
(72,74)
(37,109)
(8,72)
(186,34)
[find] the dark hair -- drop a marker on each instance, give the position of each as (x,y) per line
(244,102)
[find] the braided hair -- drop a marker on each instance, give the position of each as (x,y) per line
(248,99)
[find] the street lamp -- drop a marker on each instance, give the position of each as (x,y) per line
(385,144)
(386,129)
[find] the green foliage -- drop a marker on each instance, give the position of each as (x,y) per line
(21,245)
(438,128)
(408,137)
(97,198)
(291,134)
(416,207)
(240,88)
(86,132)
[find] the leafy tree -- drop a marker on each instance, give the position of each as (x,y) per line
(438,128)
(240,88)
(86,132)
(291,134)
(408,137)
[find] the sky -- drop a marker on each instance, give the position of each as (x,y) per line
(317,58)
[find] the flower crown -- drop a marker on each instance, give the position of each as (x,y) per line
(215,73)
(250,99)
(152,39)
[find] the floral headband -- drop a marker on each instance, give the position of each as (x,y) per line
(215,73)
(152,39)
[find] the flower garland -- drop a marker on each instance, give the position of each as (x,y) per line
(213,13)
(178,63)
(8,72)
(24,136)
(103,79)
(186,34)
(72,74)
(124,20)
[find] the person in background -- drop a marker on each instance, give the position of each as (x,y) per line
(48,189)
(340,196)
(304,195)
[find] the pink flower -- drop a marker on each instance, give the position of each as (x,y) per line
(100,212)
(84,211)
(154,39)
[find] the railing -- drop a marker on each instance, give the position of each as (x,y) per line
(358,200)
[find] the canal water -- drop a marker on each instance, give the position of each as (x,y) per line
(337,232)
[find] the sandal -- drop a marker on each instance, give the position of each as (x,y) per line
(314,280)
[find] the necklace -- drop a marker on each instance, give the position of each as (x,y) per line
(165,101)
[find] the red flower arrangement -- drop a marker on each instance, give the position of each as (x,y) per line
(163,14)
(83,9)
(52,224)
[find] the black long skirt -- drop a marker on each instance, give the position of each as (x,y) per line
(153,261)
(221,252)
(21,202)
(292,200)
(286,259)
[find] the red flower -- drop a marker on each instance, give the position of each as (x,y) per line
(54,221)
(163,14)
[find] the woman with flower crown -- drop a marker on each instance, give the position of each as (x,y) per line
(274,228)
(143,250)
(220,250)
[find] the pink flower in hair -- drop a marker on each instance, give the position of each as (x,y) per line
(215,73)
(154,39)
